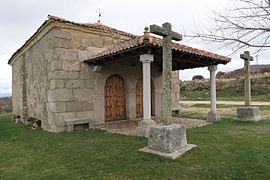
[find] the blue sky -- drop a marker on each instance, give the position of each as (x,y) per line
(20,19)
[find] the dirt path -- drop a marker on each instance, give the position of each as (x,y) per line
(226,102)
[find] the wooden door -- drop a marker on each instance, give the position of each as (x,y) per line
(139,98)
(115,102)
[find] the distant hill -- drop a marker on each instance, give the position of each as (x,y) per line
(240,72)
(5,104)
(5,95)
(227,89)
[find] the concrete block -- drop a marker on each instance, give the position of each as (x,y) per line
(174,155)
(89,84)
(251,114)
(87,75)
(167,138)
(74,106)
(168,141)
(64,75)
(84,114)
(65,54)
(83,55)
(56,84)
(83,94)
(61,34)
(213,117)
(71,65)
(57,106)
(60,95)
(49,55)
(144,126)
(56,65)
(71,122)
(74,83)
(61,117)
(87,106)
(62,43)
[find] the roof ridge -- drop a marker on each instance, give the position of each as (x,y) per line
(98,26)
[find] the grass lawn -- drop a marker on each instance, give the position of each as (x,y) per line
(226,150)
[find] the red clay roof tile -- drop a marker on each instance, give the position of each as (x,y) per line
(97,26)
(154,41)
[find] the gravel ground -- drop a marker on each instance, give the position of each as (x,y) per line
(129,127)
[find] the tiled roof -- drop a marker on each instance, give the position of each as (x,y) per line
(97,26)
(157,42)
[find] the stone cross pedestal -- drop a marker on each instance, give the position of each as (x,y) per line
(247,113)
(168,140)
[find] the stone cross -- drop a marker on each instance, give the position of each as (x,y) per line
(168,35)
(246,56)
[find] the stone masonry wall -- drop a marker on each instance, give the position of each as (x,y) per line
(16,88)
(71,82)
(36,62)
(29,82)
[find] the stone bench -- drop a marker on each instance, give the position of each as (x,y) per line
(71,122)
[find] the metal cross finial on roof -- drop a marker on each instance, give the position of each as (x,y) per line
(99,14)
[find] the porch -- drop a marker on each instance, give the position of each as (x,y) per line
(129,127)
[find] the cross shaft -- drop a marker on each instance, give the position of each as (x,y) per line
(246,56)
(168,36)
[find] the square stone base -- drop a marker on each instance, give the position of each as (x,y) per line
(168,141)
(174,155)
(167,138)
(213,117)
(144,126)
(251,114)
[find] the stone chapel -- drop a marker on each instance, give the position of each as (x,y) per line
(68,72)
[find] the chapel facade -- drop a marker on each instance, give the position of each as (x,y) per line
(72,71)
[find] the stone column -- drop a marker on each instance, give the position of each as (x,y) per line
(247,83)
(145,124)
(146,59)
(213,115)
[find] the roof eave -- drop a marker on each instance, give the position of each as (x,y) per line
(144,44)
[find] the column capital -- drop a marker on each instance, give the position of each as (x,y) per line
(212,68)
(147,58)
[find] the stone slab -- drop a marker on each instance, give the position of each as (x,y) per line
(144,126)
(167,138)
(174,155)
(71,122)
(251,114)
(213,117)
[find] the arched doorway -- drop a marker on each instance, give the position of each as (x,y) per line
(139,98)
(115,101)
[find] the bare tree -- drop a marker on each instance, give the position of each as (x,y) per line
(245,23)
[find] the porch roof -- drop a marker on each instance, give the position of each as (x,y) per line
(184,57)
